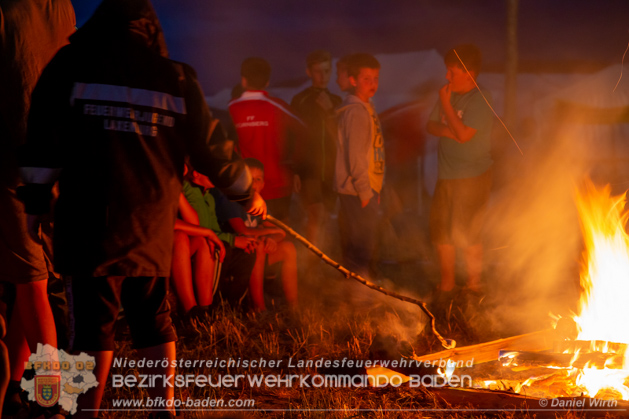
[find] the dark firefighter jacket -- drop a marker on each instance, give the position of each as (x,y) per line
(112,118)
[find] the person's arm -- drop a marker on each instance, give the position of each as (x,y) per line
(189,224)
(42,157)
(267,229)
(238,225)
(197,230)
(461,132)
(248,244)
(274,232)
(186,212)
(439,130)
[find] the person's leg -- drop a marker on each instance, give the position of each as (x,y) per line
(474,264)
(236,276)
(204,264)
(472,197)
(361,227)
(4,364)
(447,262)
(287,254)
(315,213)
(160,352)
(17,349)
(22,261)
(36,315)
(343,226)
(17,346)
(32,323)
(312,200)
(148,315)
(95,304)
(256,282)
(441,234)
(182,272)
(89,403)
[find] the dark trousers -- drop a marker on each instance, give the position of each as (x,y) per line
(235,273)
(358,229)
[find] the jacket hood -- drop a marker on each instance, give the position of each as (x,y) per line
(132,18)
(351,100)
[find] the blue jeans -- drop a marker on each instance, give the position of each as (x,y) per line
(358,228)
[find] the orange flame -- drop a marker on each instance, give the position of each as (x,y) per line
(604,307)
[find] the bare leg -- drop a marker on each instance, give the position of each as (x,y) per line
(32,323)
(17,346)
(447,262)
(287,254)
(182,271)
(4,364)
(203,270)
(474,264)
(89,403)
(160,352)
(36,315)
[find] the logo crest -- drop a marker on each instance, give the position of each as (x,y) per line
(47,389)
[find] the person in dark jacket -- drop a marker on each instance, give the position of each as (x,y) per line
(31,32)
(316,107)
(113,119)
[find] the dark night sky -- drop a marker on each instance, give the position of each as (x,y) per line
(214,36)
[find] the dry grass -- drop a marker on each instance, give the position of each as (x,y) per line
(331,331)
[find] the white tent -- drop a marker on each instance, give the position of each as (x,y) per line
(594,114)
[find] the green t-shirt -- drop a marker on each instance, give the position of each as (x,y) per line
(472,158)
(205,206)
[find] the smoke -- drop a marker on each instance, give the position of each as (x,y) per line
(532,231)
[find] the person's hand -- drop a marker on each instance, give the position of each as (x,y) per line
(245,243)
(445,93)
(270,245)
(32,225)
(256,206)
(296,184)
(217,246)
(324,101)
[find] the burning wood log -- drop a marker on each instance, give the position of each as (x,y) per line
(469,401)
(586,346)
(525,360)
(490,351)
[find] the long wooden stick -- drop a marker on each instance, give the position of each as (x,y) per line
(446,343)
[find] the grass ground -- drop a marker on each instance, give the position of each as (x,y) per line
(341,319)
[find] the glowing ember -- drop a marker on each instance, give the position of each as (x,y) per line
(604,282)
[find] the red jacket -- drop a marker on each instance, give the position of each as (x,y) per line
(269,131)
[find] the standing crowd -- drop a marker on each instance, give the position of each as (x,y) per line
(150,194)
